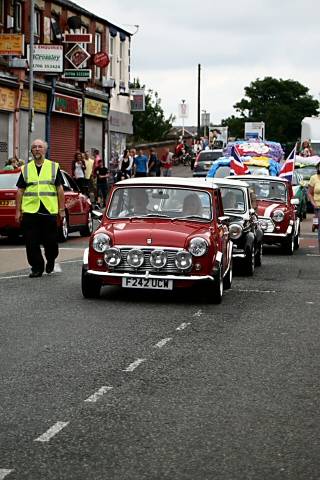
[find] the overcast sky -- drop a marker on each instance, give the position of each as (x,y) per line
(235,41)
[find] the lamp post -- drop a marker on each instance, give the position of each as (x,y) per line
(31,109)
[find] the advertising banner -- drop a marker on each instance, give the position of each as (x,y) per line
(7,99)
(67,105)
(138,100)
(95,108)
(11,44)
(47,58)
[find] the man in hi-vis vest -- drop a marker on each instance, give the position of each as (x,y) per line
(39,201)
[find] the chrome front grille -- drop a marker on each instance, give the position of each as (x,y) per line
(170,267)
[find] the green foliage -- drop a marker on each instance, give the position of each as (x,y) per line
(281,104)
(150,125)
(235,126)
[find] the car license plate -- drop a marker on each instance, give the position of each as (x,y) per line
(7,203)
(153,283)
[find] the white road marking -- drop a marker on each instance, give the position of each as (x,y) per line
(98,394)
(198,313)
(183,326)
(310,303)
(4,472)
(313,254)
(135,364)
(72,261)
(13,276)
(253,291)
(163,342)
(56,428)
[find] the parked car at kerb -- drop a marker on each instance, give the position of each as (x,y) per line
(78,207)
(161,233)
(244,227)
(276,209)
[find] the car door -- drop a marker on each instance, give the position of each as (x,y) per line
(72,198)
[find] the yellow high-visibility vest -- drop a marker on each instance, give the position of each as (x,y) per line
(40,187)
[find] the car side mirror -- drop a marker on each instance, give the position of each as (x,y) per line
(96,215)
(294,201)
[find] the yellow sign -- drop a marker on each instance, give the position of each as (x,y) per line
(11,44)
(39,101)
(7,99)
(95,108)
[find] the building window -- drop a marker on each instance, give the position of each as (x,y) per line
(55,33)
(97,48)
(37,26)
(121,62)
(18,16)
(111,56)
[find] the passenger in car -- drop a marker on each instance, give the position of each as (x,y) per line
(192,205)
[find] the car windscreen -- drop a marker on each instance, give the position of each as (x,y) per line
(268,189)
(8,181)
(163,202)
(233,199)
(209,156)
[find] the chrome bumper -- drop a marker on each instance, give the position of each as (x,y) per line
(191,278)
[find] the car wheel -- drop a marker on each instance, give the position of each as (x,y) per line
(259,253)
(63,231)
(216,291)
(288,245)
(227,280)
(88,229)
(90,285)
(249,262)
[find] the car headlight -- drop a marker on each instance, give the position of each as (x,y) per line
(183,260)
(198,246)
(278,215)
(101,242)
(135,258)
(112,257)
(158,259)
(235,231)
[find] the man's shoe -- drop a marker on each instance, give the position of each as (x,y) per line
(35,274)
(49,267)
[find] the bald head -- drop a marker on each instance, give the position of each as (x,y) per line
(39,149)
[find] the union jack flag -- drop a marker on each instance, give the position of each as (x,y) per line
(237,167)
(287,168)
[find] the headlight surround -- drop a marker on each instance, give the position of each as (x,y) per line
(112,257)
(101,242)
(158,258)
(235,231)
(198,246)
(278,216)
(183,260)
(263,224)
(135,258)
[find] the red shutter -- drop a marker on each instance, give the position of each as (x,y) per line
(64,141)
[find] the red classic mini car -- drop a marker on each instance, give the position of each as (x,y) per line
(276,208)
(161,234)
(78,207)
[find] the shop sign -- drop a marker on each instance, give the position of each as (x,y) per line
(77,37)
(138,100)
(95,108)
(39,101)
(101,59)
(67,105)
(82,74)
(47,58)
(11,44)
(7,99)
(77,56)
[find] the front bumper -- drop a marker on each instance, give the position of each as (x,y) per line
(191,278)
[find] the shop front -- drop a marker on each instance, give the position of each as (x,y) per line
(95,116)
(65,130)
(40,110)
(120,125)
(7,107)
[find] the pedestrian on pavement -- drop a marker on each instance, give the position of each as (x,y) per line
(314,196)
(125,166)
(140,164)
(88,174)
(102,174)
(78,171)
(166,162)
(154,164)
(39,203)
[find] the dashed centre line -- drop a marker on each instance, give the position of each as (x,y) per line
(4,472)
(135,364)
(198,313)
(183,326)
(163,342)
(56,428)
(98,394)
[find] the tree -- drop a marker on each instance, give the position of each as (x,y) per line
(235,126)
(281,104)
(150,125)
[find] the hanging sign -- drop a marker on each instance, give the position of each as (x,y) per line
(77,56)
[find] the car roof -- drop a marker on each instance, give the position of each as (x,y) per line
(214,150)
(260,177)
(168,181)
(227,181)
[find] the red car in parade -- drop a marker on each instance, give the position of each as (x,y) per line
(160,233)
(78,207)
(276,209)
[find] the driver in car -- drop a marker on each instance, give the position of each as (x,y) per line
(192,205)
